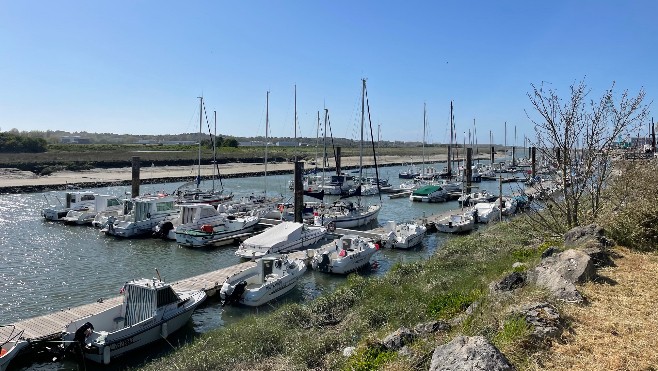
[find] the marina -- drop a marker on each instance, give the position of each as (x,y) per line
(61,273)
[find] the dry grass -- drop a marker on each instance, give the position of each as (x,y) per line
(618,329)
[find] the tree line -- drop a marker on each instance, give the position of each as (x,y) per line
(11,143)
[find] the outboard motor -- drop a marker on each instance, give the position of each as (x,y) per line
(164,229)
(235,295)
(323,266)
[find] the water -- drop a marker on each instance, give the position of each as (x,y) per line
(46,266)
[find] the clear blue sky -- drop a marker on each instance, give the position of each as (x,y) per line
(138,66)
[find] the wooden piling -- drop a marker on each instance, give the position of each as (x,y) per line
(299,191)
(135,176)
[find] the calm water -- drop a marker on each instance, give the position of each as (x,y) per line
(46,266)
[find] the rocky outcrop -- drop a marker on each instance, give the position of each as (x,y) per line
(544,320)
(431,327)
(586,235)
(512,281)
(559,273)
(401,337)
(469,353)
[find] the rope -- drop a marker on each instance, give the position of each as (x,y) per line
(372,141)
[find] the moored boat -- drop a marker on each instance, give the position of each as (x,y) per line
(150,310)
(11,346)
(270,278)
(284,237)
(145,213)
(224,231)
(404,235)
(429,193)
(456,223)
(87,214)
(72,201)
(349,254)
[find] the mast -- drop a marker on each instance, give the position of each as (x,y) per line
(214,153)
(295,113)
(198,176)
(317,143)
(363,101)
(324,142)
(424,128)
(267,129)
(450,143)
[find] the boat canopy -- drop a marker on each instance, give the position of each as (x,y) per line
(426,191)
(286,231)
(143,297)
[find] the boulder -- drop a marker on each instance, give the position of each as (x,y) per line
(431,327)
(586,235)
(544,319)
(469,353)
(510,282)
(398,339)
(559,273)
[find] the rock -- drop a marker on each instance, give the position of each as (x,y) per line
(406,351)
(544,319)
(431,327)
(398,339)
(347,352)
(512,281)
(469,353)
(548,252)
(587,235)
(518,265)
(559,273)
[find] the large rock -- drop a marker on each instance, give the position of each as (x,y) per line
(559,273)
(586,235)
(512,281)
(431,327)
(398,339)
(469,353)
(544,319)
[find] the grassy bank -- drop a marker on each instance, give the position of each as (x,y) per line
(313,335)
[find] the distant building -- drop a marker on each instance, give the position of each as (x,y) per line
(252,143)
(74,139)
(287,144)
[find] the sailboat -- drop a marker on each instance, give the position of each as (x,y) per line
(344,214)
(197,195)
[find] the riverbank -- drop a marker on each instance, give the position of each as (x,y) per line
(17,181)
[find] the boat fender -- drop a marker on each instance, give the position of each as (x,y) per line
(164,331)
(106,355)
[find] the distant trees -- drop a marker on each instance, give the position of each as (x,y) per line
(574,134)
(13,142)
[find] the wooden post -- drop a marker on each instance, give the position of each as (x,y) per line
(135,178)
(299,191)
(500,194)
(513,156)
(338,160)
(468,169)
(492,156)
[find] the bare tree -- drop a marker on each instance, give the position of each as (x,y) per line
(574,136)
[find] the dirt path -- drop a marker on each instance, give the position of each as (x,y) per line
(618,330)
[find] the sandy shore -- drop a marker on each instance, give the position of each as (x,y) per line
(13,180)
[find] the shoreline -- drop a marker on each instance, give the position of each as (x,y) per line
(14,181)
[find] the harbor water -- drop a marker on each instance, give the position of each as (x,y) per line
(48,266)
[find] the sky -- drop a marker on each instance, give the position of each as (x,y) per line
(137,67)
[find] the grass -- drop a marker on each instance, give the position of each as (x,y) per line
(361,311)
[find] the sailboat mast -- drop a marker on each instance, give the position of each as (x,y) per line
(363,108)
(424,129)
(450,144)
(317,143)
(324,143)
(214,153)
(267,130)
(198,176)
(295,113)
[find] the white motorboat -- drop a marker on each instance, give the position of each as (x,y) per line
(73,200)
(191,216)
(145,213)
(404,235)
(101,218)
(87,214)
(270,278)
(429,193)
(349,254)
(485,212)
(150,310)
(225,231)
(344,214)
(456,223)
(11,346)
(284,237)
(475,198)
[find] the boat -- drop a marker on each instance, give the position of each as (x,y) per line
(344,214)
(270,278)
(429,193)
(411,172)
(281,238)
(476,197)
(145,213)
(404,235)
(456,223)
(197,195)
(150,310)
(401,194)
(222,232)
(11,346)
(348,254)
(191,216)
(485,212)
(73,200)
(86,215)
